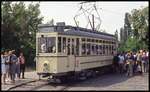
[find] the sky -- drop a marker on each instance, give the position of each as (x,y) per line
(112,13)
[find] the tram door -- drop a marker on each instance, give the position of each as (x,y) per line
(71,56)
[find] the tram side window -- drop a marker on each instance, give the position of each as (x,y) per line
(83,49)
(100,49)
(47,45)
(77,46)
(109,52)
(92,51)
(72,46)
(68,46)
(106,50)
(103,49)
(64,45)
(42,45)
(88,49)
(112,50)
(59,44)
(97,49)
(92,45)
(51,44)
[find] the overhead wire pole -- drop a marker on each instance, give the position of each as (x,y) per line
(98,16)
(93,21)
(79,15)
(87,13)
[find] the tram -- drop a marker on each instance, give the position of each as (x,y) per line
(63,50)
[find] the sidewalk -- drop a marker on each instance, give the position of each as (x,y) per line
(29,76)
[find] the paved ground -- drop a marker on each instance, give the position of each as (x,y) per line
(103,82)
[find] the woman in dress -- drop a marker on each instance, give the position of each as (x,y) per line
(3,67)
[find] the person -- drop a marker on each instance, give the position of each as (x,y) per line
(135,63)
(138,59)
(18,68)
(121,62)
(13,66)
(34,59)
(132,62)
(144,62)
(129,66)
(116,63)
(22,64)
(7,67)
(43,48)
(147,54)
(3,67)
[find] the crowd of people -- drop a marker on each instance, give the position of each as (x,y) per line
(12,66)
(131,62)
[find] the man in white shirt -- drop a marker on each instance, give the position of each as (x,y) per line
(43,48)
(121,62)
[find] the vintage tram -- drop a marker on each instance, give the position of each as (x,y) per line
(63,50)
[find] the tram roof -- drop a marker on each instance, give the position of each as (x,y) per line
(87,34)
(78,31)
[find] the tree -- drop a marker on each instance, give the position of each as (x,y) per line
(19,26)
(136,30)
(51,22)
(127,25)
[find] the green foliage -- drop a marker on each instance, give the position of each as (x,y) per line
(18,28)
(51,22)
(136,26)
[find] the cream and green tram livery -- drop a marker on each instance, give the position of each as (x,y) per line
(63,50)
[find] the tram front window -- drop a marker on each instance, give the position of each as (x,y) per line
(47,45)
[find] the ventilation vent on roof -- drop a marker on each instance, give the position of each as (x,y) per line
(60,26)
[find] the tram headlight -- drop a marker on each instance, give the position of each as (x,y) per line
(45,67)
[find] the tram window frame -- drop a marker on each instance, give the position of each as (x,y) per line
(77,46)
(106,50)
(64,44)
(49,47)
(59,45)
(100,41)
(96,47)
(83,49)
(88,40)
(68,47)
(83,39)
(103,51)
(112,50)
(39,45)
(88,46)
(73,46)
(100,50)
(92,49)
(96,41)
(53,48)
(109,50)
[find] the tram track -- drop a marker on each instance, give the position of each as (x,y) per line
(39,84)
(34,83)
